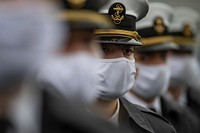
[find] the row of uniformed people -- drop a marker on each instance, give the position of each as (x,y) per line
(166,65)
(117,69)
(155,60)
(89,84)
(114,73)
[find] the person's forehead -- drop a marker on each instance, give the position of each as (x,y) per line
(151,53)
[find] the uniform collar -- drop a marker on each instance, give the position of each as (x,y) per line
(115,118)
(136,115)
(182,101)
(156,104)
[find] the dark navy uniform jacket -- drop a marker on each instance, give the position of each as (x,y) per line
(183,119)
(142,120)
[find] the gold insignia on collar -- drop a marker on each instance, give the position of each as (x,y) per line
(76,3)
(159,25)
(187,30)
(117,17)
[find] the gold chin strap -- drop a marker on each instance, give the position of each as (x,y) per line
(156,40)
(184,40)
(84,16)
(116,32)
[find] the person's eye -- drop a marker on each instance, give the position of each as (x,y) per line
(128,51)
(164,56)
(105,50)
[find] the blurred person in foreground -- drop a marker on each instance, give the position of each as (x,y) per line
(67,78)
(153,73)
(185,71)
(27,36)
(71,70)
(117,71)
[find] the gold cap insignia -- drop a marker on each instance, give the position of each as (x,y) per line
(76,3)
(187,30)
(117,12)
(159,25)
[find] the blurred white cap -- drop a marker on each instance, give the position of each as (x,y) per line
(182,16)
(156,9)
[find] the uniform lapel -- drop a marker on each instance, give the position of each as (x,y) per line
(131,111)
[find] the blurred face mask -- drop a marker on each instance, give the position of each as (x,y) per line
(73,76)
(27,34)
(151,81)
(184,71)
(115,77)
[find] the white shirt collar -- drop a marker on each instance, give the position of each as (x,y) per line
(182,101)
(135,100)
(115,118)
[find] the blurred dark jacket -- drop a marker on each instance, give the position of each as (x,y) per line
(142,120)
(60,116)
(193,101)
(183,119)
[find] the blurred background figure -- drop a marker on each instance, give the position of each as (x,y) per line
(193,4)
(67,78)
(184,29)
(27,35)
(153,75)
(184,67)
(72,70)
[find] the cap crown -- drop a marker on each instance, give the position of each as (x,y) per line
(185,22)
(94,5)
(125,13)
(157,20)
(83,14)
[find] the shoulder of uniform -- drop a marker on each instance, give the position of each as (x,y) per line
(143,110)
(136,115)
(160,119)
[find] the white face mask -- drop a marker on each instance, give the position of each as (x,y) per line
(29,33)
(116,77)
(74,76)
(184,71)
(151,81)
